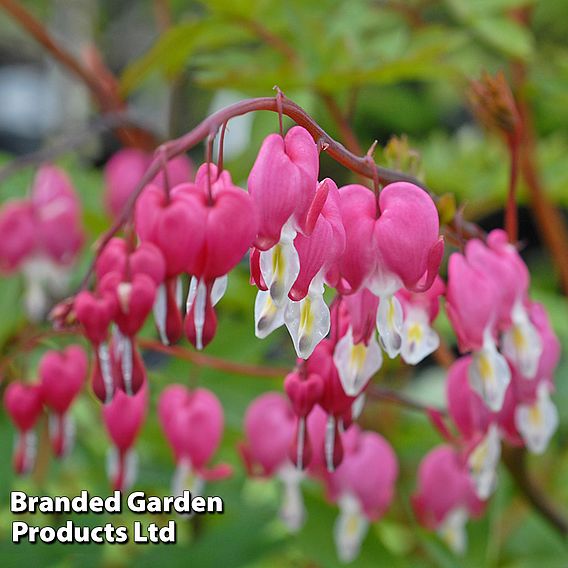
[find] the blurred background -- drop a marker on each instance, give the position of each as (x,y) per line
(395,71)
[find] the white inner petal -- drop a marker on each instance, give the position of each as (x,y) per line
(418,339)
(106,371)
(389,325)
(356,364)
(280,266)
(537,422)
(292,510)
(489,374)
(522,344)
(308,321)
(329,443)
(126,364)
(218,289)
(350,528)
(27,442)
(63,426)
(483,462)
(452,530)
(267,315)
(357,406)
(160,313)
(197,294)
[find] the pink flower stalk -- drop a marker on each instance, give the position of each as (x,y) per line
(472,304)
(95,313)
(192,422)
(291,275)
(123,418)
(420,309)
(125,169)
(445,498)
(62,376)
(228,223)
(363,486)
(23,404)
(282,184)
(269,430)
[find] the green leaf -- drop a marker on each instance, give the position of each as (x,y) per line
(507,36)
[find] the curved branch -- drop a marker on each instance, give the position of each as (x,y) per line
(209,126)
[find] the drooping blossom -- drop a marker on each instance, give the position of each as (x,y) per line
(40,236)
(269,429)
(357,355)
(62,375)
(445,497)
(23,404)
(282,184)
(419,309)
(125,169)
(192,422)
(123,418)
(390,243)
(95,313)
(291,276)
(472,304)
(228,225)
(363,486)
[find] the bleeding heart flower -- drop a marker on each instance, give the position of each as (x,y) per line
(95,313)
(420,309)
(23,404)
(57,215)
(126,168)
(17,234)
(282,183)
(145,259)
(123,418)
(173,224)
(269,429)
(304,392)
(363,486)
(445,498)
(62,376)
(192,422)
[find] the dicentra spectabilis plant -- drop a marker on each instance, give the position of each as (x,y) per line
(352,273)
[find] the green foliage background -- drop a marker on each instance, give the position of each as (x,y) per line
(407,63)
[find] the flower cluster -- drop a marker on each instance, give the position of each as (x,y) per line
(40,236)
(378,254)
(362,486)
(62,375)
(499,392)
